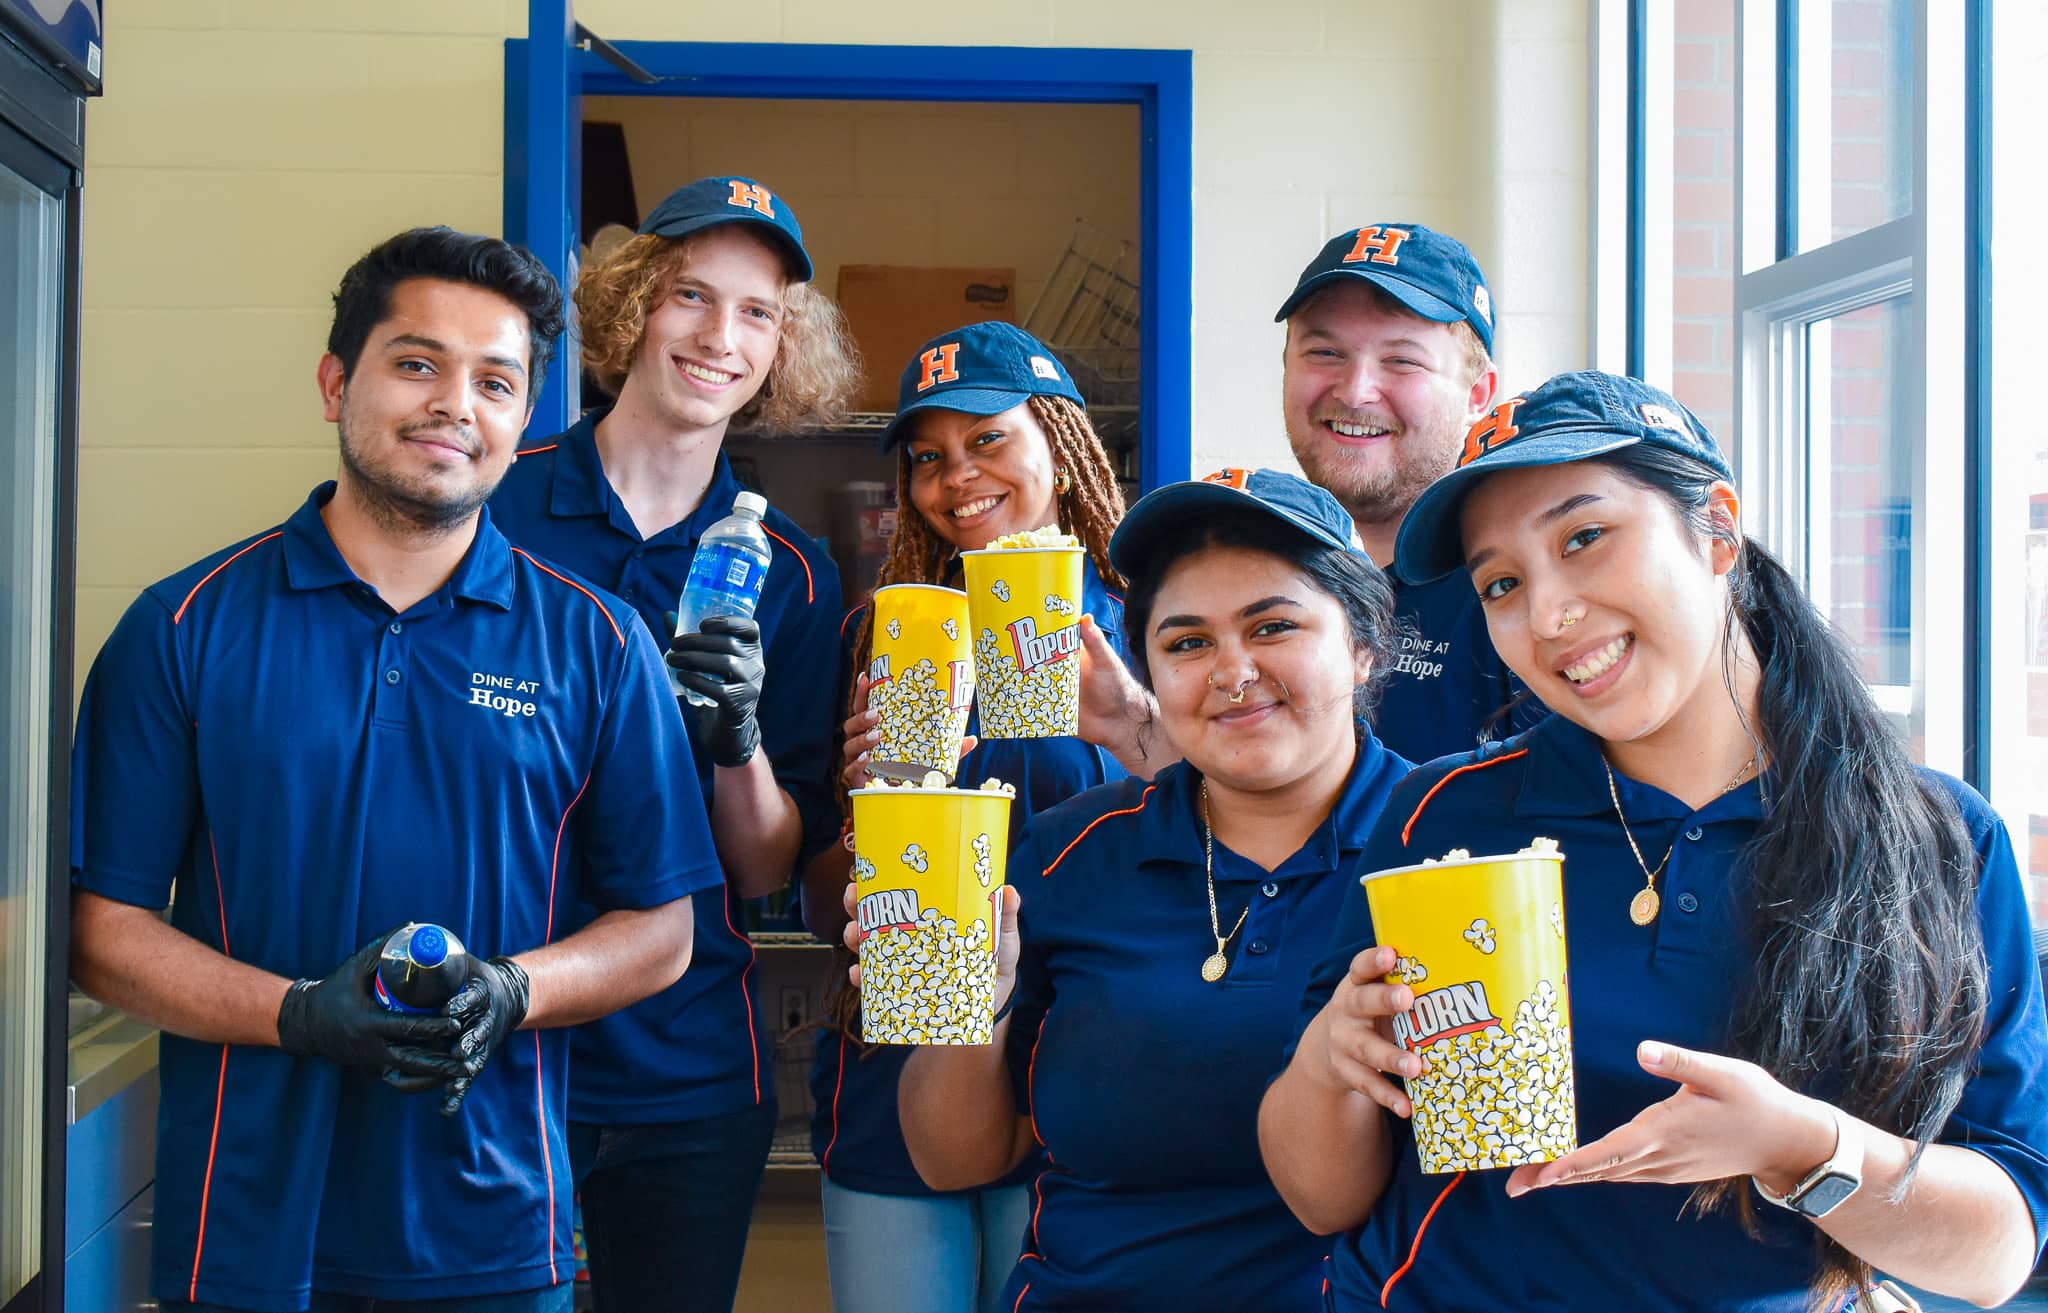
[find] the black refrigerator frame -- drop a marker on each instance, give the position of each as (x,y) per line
(42,138)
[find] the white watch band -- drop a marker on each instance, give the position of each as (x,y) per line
(1847,1159)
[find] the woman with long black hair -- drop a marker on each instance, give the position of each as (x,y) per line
(1808,1035)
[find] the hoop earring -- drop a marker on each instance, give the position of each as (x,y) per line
(1062,482)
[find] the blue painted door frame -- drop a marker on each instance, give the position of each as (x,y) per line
(545,79)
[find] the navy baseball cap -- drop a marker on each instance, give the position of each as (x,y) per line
(1431,274)
(982,369)
(708,202)
(1570,418)
(1294,501)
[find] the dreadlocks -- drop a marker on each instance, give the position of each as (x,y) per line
(1090,510)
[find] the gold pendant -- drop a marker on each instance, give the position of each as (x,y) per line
(1213,967)
(1642,909)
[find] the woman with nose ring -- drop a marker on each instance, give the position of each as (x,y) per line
(1807,1033)
(1156,936)
(992,439)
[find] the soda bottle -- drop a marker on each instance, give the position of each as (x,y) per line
(726,574)
(420,968)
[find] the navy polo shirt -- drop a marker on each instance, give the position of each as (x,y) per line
(1447,681)
(307,769)
(1143,1080)
(697,1049)
(855,1133)
(1584,1246)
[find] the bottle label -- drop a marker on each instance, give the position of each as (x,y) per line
(736,573)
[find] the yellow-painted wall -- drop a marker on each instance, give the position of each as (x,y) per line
(247,150)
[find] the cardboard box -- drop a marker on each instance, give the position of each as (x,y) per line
(895,309)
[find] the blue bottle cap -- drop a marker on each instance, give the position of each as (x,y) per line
(429,947)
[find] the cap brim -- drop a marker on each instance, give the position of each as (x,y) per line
(799,259)
(1169,507)
(968,401)
(1430,544)
(1427,304)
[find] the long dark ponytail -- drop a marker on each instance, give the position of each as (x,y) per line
(1870,981)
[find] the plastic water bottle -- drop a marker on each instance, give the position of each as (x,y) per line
(726,574)
(420,968)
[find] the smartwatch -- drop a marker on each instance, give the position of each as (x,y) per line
(1829,1185)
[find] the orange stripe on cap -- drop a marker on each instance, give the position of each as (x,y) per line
(1470,765)
(206,1187)
(1416,1247)
(1127,811)
(810,584)
(602,609)
(179,615)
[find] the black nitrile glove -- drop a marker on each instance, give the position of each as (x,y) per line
(489,1007)
(723,662)
(339,1018)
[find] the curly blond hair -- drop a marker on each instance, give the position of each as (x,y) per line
(816,366)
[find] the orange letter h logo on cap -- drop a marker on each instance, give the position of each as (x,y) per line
(1495,430)
(1377,244)
(752,196)
(938,366)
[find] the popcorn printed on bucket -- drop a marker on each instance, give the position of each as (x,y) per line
(1491,1097)
(920,722)
(1557,919)
(1410,971)
(863,870)
(917,859)
(951,628)
(895,628)
(930,982)
(1059,605)
(1480,935)
(1018,704)
(1001,588)
(984,866)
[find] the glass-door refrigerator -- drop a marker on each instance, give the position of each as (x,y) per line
(50,53)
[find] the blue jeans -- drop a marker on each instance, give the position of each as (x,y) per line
(948,1253)
(666,1209)
(547,1299)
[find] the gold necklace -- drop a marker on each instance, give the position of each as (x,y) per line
(1643,908)
(1217,963)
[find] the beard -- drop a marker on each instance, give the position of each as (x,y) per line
(1377,490)
(401,503)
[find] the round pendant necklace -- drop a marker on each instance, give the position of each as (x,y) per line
(1217,963)
(1643,908)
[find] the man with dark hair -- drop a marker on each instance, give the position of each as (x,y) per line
(381,712)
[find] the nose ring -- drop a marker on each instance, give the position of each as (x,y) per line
(1567,620)
(1237,698)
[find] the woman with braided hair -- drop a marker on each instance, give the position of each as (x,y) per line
(992,439)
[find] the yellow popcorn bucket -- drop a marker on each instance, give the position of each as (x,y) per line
(921,680)
(928,868)
(1025,604)
(1481,943)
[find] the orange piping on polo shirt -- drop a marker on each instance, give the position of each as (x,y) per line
(1470,765)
